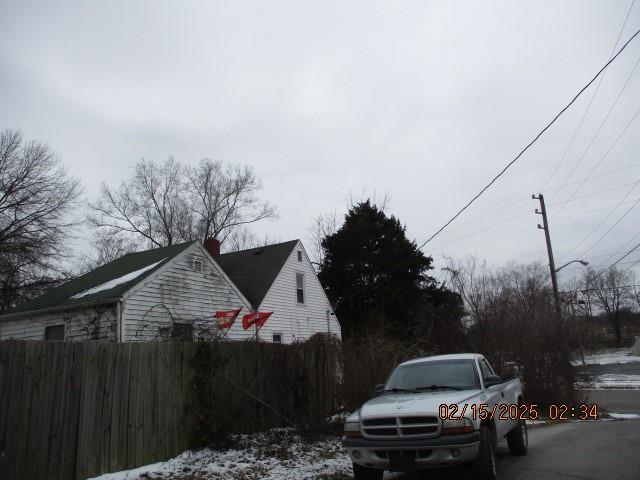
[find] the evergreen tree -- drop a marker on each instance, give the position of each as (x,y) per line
(374,276)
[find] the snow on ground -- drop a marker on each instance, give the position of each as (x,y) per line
(275,455)
(607,357)
(610,381)
(624,416)
(117,281)
(533,423)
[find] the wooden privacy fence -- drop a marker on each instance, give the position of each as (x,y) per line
(73,410)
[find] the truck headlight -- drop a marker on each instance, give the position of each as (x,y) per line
(458,425)
(352,430)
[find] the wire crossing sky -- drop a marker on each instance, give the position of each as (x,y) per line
(535,139)
(419,102)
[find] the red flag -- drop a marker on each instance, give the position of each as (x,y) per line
(226,319)
(255,318)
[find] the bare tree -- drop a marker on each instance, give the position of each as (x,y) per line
(107,246)
(150,205)
(321,227)
(243,239)
(223,198)
(167,203)
(611,290)
(510,318)
(36,199)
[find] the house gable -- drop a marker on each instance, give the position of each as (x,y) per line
(178,292)
(295,321)
(254,270)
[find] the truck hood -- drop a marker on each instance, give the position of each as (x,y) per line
(393,404)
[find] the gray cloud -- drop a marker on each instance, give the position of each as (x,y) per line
(422,100)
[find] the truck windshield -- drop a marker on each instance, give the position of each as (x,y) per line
(455,374)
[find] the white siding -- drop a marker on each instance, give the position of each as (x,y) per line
(178,292)
(293,320)
(95,323)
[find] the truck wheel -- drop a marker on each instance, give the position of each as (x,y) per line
(365,473)
(484,465)
(518,439)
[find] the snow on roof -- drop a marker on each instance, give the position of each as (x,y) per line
(117,281)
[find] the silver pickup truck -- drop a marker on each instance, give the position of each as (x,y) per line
(434,412)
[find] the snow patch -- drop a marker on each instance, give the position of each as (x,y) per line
(117,281)
(537,422)
(276,455)
(624,416)
(610,381)
(608,357)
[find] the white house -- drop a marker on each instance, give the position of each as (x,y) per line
(174,292)
(280,279)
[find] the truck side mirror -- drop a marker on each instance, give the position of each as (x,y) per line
(378,389)
(491,380)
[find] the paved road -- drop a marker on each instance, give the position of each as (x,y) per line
(607,450)
(616,401)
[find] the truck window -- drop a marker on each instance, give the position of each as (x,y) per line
(454,373)
(486,368)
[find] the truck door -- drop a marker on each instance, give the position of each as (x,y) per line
(497,395)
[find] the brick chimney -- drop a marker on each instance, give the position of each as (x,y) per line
(212,245)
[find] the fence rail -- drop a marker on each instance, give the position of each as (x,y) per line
(72,410)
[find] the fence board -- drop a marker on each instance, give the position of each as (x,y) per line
(71,410)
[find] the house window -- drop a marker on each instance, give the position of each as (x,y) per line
(277,338)
(182,332)
(300,287)
(299,256)
(54,332)
(197,266)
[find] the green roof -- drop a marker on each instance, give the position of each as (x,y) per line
(105,283)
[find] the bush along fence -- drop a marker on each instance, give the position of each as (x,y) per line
(72,410)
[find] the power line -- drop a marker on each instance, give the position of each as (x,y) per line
(585,212)
(612,226)
(561,219)
(631,266)
(535,139)
(598,133)
(619,260)
(586,112)
(528,197)
(516,217)
(621,249)
(604,220)
(593,177)
(599,192)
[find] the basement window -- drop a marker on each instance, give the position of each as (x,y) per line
(300,287)
(277,338)
(54,332)
(197,266)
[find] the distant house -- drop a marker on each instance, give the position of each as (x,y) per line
(174,292)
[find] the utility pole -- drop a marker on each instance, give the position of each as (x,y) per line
(552,265)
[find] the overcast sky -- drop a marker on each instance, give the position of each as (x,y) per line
(424,101)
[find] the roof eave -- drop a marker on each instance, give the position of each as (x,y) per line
(74,306)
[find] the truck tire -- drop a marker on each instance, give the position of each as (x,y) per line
(518,439)
(484,465)
(365,473)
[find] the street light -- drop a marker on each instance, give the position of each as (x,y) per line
(582,262)
(556,294)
